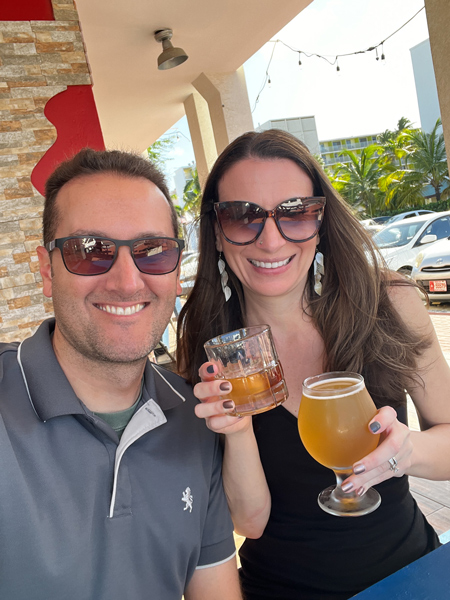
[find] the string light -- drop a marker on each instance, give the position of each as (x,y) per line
(328,58)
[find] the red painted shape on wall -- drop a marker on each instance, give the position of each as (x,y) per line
(26,10)
(74,114)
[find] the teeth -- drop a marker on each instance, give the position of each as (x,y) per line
(119,310)
(271,265)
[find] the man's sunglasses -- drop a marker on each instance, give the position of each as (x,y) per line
(91,255)
(297,219)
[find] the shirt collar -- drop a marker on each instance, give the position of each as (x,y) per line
(51,394)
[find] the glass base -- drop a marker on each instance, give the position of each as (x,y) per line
(253,408)
(335,502)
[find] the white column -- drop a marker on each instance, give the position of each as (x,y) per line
(202,136)
(438,17)
(229,107)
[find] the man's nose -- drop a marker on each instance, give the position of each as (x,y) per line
(124,276)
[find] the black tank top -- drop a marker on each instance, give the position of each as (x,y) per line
(308,554)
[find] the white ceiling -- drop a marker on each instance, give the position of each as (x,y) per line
(136,102)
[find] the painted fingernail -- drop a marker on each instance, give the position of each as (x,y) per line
(210,369)
(225,386)
(374,427)
(228,404)
(360,491)
(359,469)
(346,487)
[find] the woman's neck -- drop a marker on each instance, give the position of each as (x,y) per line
(281,313)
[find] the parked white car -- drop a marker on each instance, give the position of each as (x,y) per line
(401,242)
(408,215)
(432,271)
(371,226)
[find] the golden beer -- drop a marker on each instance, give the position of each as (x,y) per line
(248,359)
(334,428)
(258,392)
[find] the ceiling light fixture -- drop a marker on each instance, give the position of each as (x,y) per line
(170,57)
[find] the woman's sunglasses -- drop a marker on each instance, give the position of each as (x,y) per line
(91,255)
(297,219)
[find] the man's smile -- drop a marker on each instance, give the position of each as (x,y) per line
(121,310)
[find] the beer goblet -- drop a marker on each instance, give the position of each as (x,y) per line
(333,419)
(248,359)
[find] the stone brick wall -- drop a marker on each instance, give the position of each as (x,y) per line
(38,59)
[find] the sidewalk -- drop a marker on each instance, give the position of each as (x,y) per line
(441,322)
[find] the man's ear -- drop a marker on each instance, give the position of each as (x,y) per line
(179,290)
(45,268)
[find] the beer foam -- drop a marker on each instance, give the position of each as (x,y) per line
(354,386)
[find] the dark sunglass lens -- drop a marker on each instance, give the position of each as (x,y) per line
(88,255)
(299,222)
(156,256)
(240,221)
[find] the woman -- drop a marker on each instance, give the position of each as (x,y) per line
(353,317)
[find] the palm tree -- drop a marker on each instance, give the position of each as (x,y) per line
(394,142)
(192,194)
(403,124)
(427,165)
(357,180)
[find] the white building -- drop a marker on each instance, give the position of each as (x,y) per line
(426,90)
(304,128)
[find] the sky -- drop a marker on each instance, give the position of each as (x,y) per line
(365,97)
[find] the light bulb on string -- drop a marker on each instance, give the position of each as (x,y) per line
(269,83)
(299,60)
(383,58)
(338,68)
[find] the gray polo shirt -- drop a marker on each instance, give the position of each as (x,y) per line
(86,517)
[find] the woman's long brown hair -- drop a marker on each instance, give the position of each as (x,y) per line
(362,331)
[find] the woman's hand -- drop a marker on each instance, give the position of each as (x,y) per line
(215,407)
(391,458)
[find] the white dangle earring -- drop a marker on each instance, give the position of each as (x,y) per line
(223,278)
(318,272)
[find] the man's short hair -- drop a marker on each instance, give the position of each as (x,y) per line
(92,162)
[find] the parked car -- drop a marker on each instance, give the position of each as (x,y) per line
(400,242)
(381,220)
(188,272)
(432,271)
(371,226)
(407,215)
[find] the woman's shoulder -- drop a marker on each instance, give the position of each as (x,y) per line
(408,301)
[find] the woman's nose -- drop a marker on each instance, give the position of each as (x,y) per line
(270,238)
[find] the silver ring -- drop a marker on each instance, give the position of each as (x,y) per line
(393,464)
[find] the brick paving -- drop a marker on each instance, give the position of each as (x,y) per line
(441,322)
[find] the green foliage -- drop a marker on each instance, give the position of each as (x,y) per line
(160,150)
(392,175)
(426,165)
(357,180)
(192,194)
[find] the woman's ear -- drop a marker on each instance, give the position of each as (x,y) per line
(218,238)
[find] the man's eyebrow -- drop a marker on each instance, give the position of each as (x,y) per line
(102,234)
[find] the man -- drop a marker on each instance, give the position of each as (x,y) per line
(110,486)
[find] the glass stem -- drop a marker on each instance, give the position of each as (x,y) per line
(341,476)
